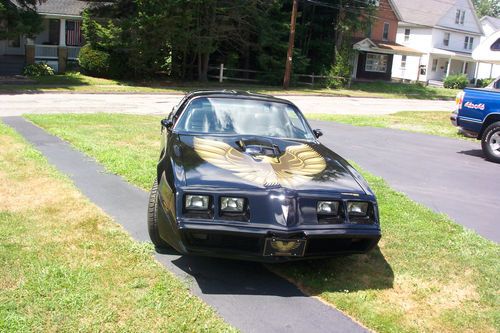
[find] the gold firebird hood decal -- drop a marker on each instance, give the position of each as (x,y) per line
(295,167)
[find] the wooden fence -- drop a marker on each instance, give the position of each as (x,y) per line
(222,74)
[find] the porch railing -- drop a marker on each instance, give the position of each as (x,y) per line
(46,51)
(73,52)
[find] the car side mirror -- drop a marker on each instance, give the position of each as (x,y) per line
(167,124)
(317,133)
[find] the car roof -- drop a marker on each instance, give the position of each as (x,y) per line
(234,94)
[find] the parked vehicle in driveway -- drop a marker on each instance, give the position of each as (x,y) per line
(243,176)
(478,115)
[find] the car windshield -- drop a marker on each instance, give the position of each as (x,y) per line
(222,115)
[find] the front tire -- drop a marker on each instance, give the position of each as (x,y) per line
(490,142)
(154,234)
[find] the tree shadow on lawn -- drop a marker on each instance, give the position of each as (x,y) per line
(223,276)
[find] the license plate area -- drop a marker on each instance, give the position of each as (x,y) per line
(281,247)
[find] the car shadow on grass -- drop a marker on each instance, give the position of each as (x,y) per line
(369,271)
(223,276)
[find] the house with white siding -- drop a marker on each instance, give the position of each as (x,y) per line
(445,31)
(491,26)
(58,42)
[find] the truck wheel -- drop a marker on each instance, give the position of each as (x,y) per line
(490,142)
(157,241)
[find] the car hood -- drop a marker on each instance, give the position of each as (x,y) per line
(245,162)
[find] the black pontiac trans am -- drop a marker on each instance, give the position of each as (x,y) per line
(243,176)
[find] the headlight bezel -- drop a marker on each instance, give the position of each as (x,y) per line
(363,208)
(240,205)
(206,200)
(322,204)
(366,215)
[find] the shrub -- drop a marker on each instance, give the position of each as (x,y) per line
(456,81)
(94,62)
(340,73)
(38,69)
(481,83)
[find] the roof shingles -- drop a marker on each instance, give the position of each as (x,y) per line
(60,7)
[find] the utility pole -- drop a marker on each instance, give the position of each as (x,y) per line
(291,41)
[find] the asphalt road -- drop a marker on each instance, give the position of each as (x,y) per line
(448,175)
(18,104)
(246,295)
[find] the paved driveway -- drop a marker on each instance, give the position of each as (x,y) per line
(447,175)
(17,104)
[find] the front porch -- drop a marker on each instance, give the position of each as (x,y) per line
(443,63)
(373,60)
(58,43)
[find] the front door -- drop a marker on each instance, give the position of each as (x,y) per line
(54,27)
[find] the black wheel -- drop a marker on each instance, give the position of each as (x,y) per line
(490,142)
(153,220)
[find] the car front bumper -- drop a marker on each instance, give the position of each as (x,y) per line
(454,118)
(248,242)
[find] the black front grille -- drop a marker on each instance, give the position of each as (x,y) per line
(225,242)
(320,246)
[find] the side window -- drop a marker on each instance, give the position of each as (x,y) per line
(294,119)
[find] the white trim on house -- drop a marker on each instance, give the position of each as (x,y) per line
(59,16)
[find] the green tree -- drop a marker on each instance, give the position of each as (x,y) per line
(20,18)
(487,7)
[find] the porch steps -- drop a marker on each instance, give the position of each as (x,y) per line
(435,83)
(11,65)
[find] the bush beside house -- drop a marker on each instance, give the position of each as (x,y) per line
(94,62)
(457,81)
(37,70)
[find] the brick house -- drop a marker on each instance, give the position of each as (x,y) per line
(375,48)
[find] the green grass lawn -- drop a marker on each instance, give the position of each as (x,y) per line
(428,274)
(76,82)
(435,123)
(67,267)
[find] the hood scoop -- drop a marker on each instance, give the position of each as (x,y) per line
(261,147)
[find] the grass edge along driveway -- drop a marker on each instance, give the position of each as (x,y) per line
(428,122)
(66,266)
(429,274)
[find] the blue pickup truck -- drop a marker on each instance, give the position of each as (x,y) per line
(478,115)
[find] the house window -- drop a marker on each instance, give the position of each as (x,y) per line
(368,32)
(385,34)
(460,16)
(446,39)
(15,42)
(403,62)
(466,68)
(376,62)
(434,64)
(496,45)
(468,42)
(407,35)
